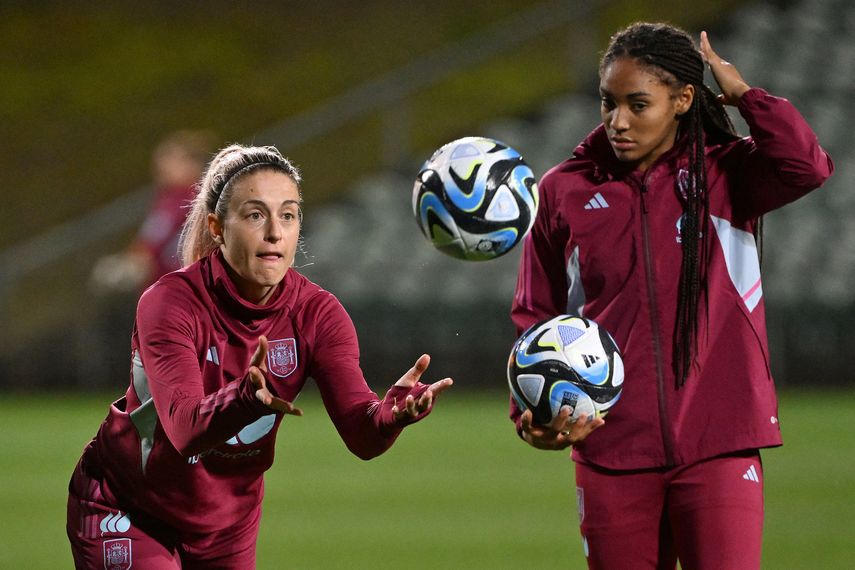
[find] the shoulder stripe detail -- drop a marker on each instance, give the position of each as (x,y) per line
(743,263)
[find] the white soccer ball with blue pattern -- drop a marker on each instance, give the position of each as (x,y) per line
(475,198)
(565,361)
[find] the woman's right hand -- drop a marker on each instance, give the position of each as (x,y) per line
(732,85)
(257,370)
(561,432)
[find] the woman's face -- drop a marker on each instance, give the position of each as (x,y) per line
(260,232)
(640,112)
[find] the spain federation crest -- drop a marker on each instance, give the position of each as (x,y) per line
(282,357)
(117,554)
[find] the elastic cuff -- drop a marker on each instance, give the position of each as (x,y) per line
(751,96)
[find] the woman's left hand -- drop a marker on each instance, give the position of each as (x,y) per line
(729,80)
(411,407)
(257,370)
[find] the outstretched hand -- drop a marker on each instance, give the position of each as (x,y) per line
(729,80)
(412,407)
(257,370)
(561,433)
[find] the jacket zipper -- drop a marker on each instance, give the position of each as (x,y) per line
(664,424)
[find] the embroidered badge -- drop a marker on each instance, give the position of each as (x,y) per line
(282,357)
(117,554)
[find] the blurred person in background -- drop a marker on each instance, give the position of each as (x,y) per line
(220,349)
(177,165)
(668,263)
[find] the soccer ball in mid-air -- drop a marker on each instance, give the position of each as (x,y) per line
(565,361)
(475,198)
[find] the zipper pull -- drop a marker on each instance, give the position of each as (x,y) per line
(643,201)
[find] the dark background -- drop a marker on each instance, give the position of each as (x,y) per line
(359,95)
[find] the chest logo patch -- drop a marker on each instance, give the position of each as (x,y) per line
(282,357)
(117,554)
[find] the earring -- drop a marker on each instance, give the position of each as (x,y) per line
(218,239)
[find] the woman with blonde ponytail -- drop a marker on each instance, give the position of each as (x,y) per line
(220,350)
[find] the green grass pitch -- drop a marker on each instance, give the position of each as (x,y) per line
(457,491)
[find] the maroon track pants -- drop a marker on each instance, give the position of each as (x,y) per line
(709,515)
(104,535)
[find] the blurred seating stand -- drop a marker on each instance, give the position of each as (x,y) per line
(405,296)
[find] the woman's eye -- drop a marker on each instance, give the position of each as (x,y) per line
(290,216)
(607,104)
(254,216)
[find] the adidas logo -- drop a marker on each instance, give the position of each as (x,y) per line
(596,202)
(590,359)
(751,475)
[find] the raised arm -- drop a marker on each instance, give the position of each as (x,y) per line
(367,425)
(782,161)
(192,420)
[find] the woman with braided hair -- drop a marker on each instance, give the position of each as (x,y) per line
(650,229)
(220,350)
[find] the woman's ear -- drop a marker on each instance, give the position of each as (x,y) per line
(684,100)
(215,228)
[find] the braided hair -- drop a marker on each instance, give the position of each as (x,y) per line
(670,54)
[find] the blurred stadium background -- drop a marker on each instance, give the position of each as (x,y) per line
(359,95)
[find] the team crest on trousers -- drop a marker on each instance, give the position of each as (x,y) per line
(282,357)
(117,554)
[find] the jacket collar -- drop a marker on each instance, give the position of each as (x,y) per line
(226,293)
(597,149)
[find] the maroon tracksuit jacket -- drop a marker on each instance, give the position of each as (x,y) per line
(188,443)
(606,244)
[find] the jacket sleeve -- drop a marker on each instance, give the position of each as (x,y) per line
(364,422)
(541,290)
(782,160)
(192,420)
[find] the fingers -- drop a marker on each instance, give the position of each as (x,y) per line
(277,404)
(260,352)
(408,411)
(561,421)
(266,397)
(411,409)
(731,82)
(257,378)
(708,54)
(411,376)
(532,433)
(283,406)
(562,431)
(438,388)
(525,421)
(706,49)
(583,427)
(430,395)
